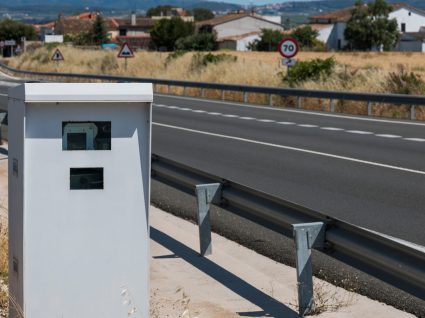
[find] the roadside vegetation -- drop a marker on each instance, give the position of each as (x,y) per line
(389,72)
(3,264)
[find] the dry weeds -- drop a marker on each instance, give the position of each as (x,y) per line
(328,298)
(360,72)
(4,264)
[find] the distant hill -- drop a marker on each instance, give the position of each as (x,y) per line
(66,5)
(308,7)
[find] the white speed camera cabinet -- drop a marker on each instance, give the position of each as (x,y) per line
(79,189)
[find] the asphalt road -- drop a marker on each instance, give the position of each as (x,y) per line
(366,171)
(370,172)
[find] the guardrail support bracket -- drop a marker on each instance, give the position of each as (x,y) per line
(413,112)
(206,194)
(307,236)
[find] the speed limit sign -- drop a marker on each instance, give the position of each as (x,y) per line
(288,48)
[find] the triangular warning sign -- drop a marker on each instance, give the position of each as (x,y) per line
(57,56)
(125,51)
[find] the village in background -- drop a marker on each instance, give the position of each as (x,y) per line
(168,28)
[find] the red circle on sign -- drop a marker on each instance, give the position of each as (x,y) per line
(288,47)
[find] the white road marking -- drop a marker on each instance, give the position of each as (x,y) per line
(359,132)
(331,128)
(388,136)
(285,123)
(298,111)
(266,120)
(247,118)
(307,126)
(415,139)
(318,153)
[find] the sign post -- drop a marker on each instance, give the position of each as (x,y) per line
(289,48)
(57,56)
(125,52)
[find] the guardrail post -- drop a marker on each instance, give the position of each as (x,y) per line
(332,105)
(245,97)
(223,94)
(270,100)
(154,88)
(413,112)
(184,90)
(206,194)
(369,108)
(307,236)
(203,92)
(299,102)
(169,89)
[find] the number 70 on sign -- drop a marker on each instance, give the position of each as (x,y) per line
(288,48)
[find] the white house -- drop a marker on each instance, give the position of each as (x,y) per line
(79,193)
(239,42)
(239,28)
(409,19)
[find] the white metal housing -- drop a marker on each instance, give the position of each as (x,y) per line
(79,253)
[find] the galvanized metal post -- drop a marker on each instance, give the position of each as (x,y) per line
(245,97)
(306,236)
(413,112)
(223,94)
(203,92)
(169,89)
(270,100)
(369,108)
(332,105)
(206,194)
(299,102)
(184,90)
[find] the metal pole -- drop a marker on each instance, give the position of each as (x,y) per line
(306,236)
(203,92)
(222,94)
(369,108)
(169,89)
(299,102)
(245,97)
(126,64)
(332,105)
(206,194)
(184,90)
(270,100)
(413,112)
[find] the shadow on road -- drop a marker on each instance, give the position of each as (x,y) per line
(270,306)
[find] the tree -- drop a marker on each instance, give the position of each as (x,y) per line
(166,32)
(15,30)
(202,14)
(198,42)
(158,10)
(370,27)
(269,41)
(99,32)
(306,36)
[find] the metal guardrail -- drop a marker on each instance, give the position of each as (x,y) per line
(398,99)
(395,262)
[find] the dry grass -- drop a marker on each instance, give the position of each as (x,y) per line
(328,298)
(3,264)
(360,72)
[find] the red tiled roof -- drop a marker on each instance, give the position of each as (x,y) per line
(343,15)
(231,17)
